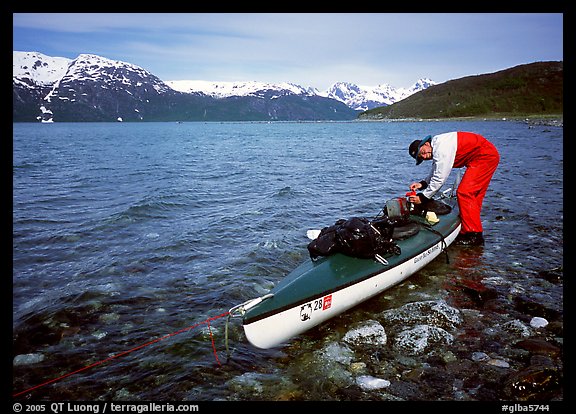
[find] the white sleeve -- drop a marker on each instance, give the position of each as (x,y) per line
(443,156)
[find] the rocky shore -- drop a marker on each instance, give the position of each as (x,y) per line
(417,351)
(555,122)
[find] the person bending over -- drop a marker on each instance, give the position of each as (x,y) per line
(456,150)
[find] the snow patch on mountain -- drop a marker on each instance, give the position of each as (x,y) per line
(227,89)
(39,68)
(87,67)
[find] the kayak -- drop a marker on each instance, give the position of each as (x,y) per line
(318,290)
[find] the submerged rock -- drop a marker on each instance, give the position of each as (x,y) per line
(551,310)
(538,346)
(327,368)
(534,383)
(249,381)
(470,293)
(27,359)
(555,275)
(498,363)
(335,352)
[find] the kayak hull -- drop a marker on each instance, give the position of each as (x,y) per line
(317,291)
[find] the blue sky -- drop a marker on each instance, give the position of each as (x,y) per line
(316,49)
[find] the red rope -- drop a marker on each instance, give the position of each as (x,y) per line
(207,322)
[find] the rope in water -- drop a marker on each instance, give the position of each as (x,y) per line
(120,354)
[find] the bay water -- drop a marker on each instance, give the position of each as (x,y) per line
(131,234)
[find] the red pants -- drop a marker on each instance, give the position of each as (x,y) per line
(473,186)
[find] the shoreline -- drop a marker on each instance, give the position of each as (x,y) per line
(532,120)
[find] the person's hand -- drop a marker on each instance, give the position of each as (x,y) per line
(415,186)
(414,199)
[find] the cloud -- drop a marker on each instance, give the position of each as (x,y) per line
(312,49)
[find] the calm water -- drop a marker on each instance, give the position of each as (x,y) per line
(124,233)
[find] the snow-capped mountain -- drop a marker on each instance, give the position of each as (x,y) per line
(93,88)
(88,88)
(360,98)
(83,79)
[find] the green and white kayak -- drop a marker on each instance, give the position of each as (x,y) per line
(318,290)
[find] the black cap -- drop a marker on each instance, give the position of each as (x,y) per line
(415,146)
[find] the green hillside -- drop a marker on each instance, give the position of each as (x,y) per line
(525,90)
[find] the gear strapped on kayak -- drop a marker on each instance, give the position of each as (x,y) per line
(356,237)
(376,238)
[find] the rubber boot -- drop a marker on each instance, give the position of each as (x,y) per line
(470,239)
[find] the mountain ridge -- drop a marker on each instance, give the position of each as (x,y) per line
(34,70)
(357,97)
(93,88)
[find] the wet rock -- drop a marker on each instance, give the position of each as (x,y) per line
(534,383)
(538,346)
(413,374)
(250,381)
(538,322)
(542,360)
(327,368)
(336,353)
(289,395)
(407,391)
(466,292)
(436,381)
(408,361)
(27,359)
(448,357)
(109,318)
(555,275)
(124,395)
(436,313)
(421,339)
(366,333)
(357,367)
(498,363)
(497,305)
(259,385)
(99,334)
(529,306)
(516,327)
(461,368)
(480,356)
(36,333)
(544,122)
(368,382)
(556,328)
(458,393)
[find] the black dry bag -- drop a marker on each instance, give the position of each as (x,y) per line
(356,237)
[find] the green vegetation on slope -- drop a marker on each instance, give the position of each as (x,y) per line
(532,89)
